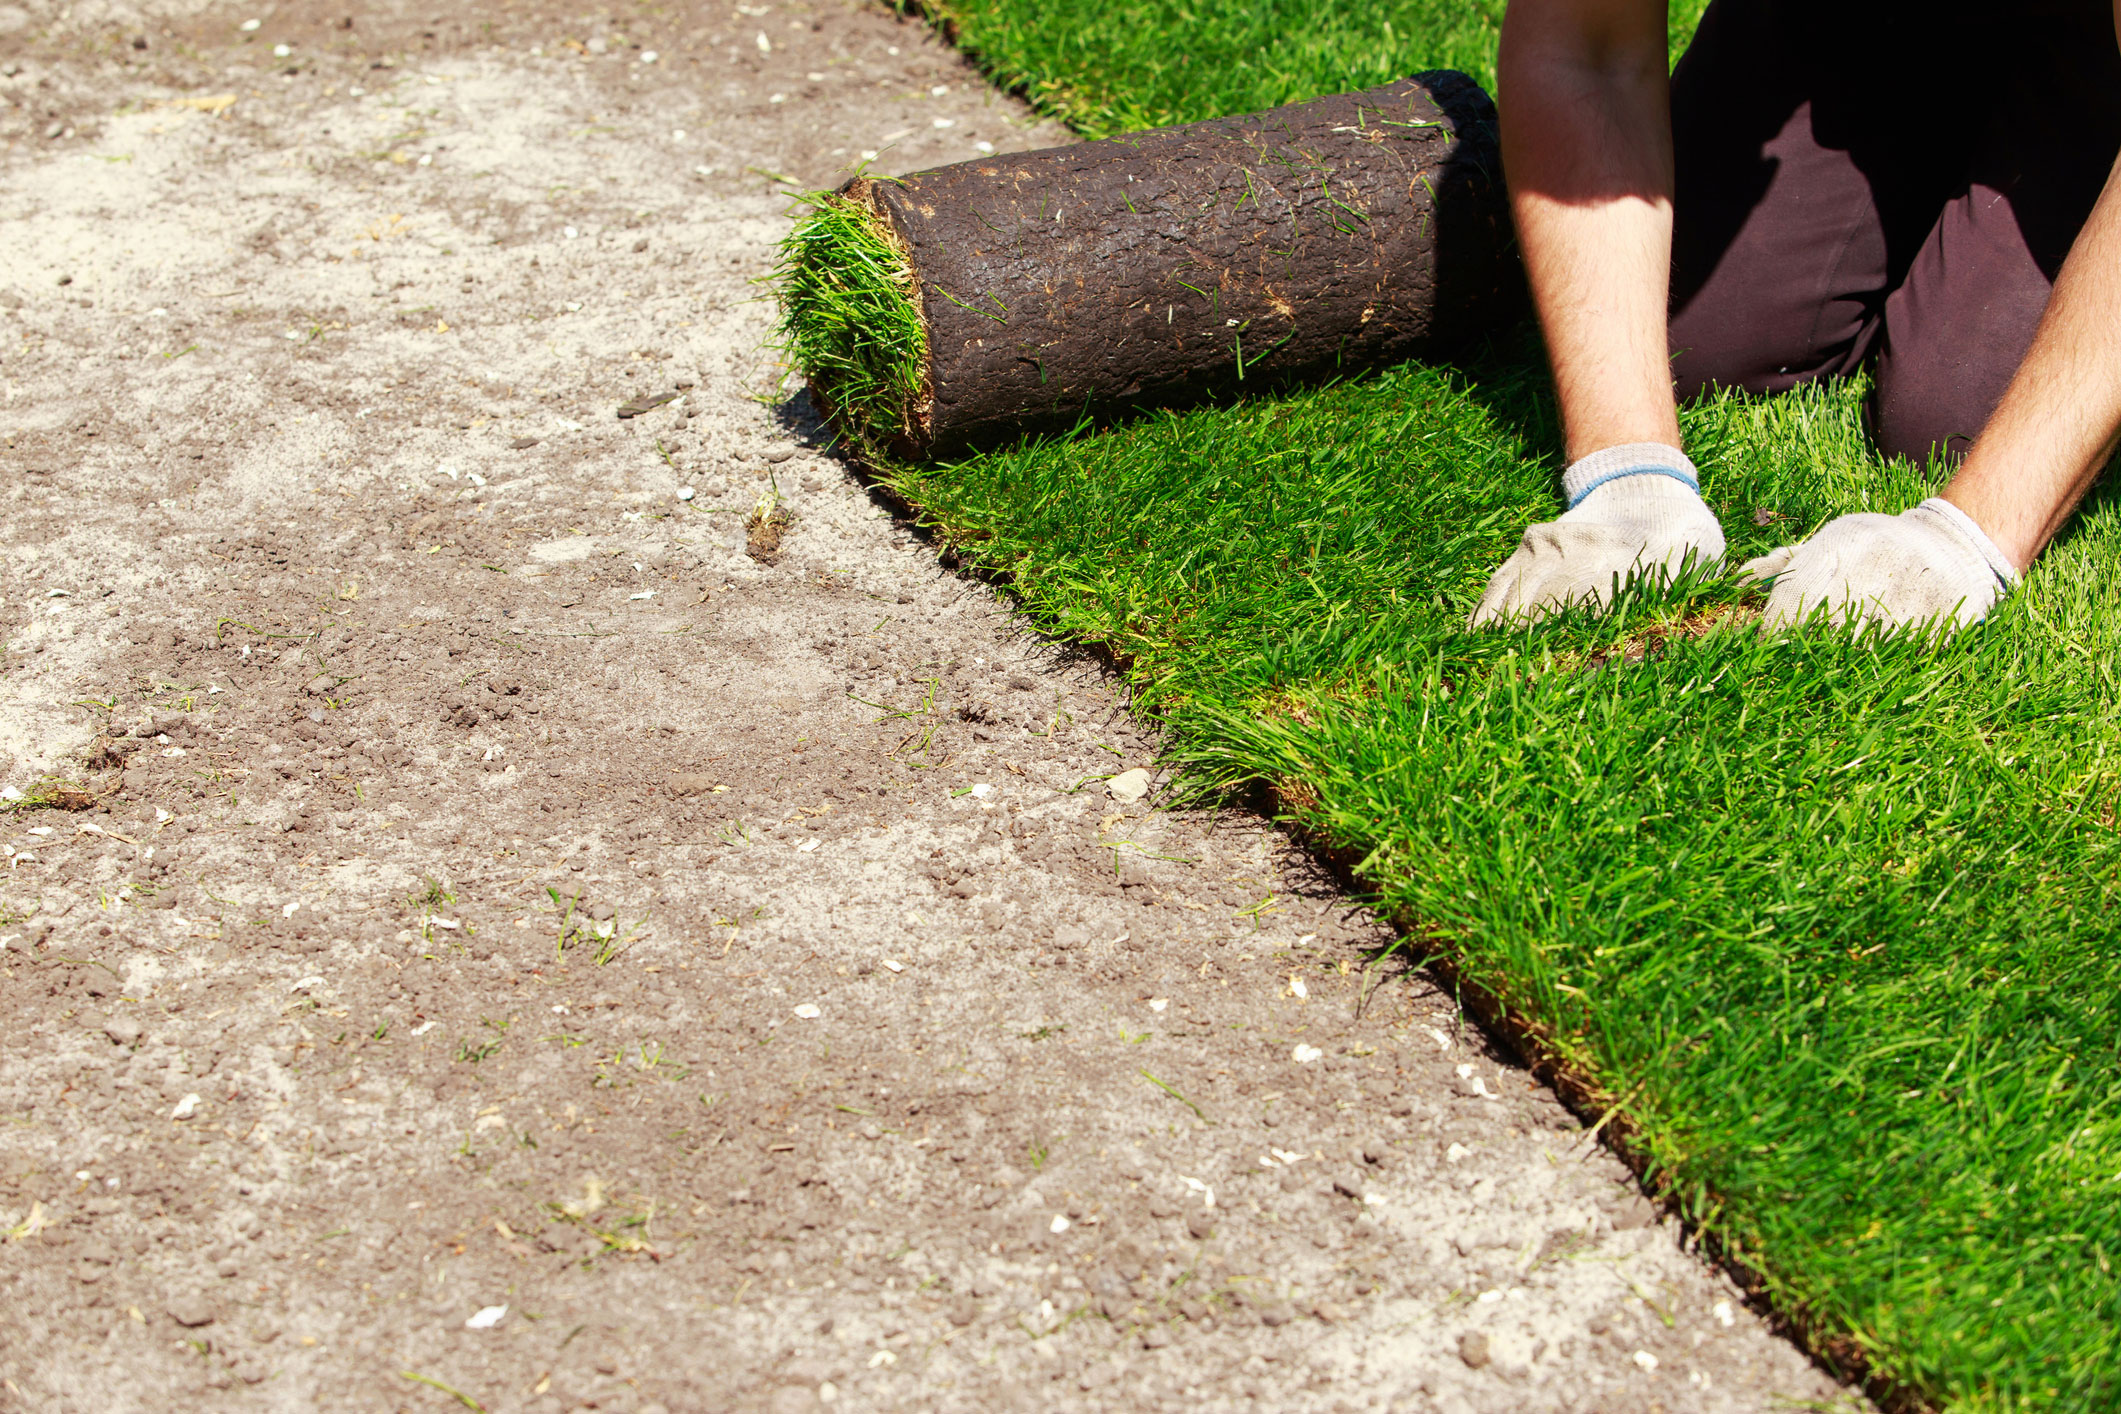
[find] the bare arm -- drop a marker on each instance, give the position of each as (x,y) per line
(1587,144)
(2060,419)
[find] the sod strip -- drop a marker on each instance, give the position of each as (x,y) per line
(1829,921)
(1166,268)
(1832,918)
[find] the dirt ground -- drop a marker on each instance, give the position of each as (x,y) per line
(521,941)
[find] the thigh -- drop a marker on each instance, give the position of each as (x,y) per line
(1806,180)
(1958,326)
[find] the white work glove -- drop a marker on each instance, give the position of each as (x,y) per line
(1921,566)
(1633,510)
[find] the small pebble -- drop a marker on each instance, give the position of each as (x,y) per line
(191,1312)
(1128,786)
(1473,1349)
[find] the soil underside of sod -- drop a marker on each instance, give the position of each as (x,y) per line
(1827,920)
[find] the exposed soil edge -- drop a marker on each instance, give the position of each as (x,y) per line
(1834,1351)
(1051,324)
(1279,804)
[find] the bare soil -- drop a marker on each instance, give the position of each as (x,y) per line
(501,935)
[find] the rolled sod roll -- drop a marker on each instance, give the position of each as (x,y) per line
(963,307)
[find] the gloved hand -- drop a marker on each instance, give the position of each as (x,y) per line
(1920,566)
(1633,510)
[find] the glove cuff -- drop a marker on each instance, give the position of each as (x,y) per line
(1629,459)
(1998,563)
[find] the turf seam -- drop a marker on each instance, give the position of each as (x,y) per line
(1606,1115)
(1832,1350)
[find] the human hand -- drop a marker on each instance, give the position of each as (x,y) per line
(1921,566)
(1633,510)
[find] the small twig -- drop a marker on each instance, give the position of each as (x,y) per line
(458,1395)
(1174,1094)
(87,962)
(1372,973)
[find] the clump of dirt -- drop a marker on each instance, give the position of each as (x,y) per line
(763,532)
(53,795)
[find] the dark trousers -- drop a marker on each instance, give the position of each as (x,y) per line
(1864,180)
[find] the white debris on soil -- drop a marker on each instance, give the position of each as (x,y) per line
(1129,785)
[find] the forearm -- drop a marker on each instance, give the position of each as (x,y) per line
(1587,146)
(2060,419)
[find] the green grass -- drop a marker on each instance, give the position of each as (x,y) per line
(1116,67)
(851,318)
(1833,915)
